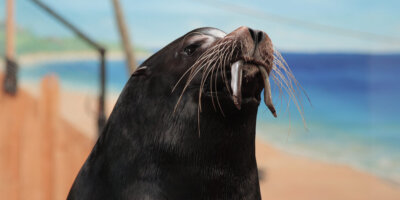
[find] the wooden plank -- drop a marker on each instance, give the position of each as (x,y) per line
(11,110)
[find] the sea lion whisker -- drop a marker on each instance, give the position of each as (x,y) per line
(288,91)
(288,87)
(191,77)
(278,84)
(230,56)
(223,68)
(185,87)
(227,57)
(197,63)
(284,64)
(223,73)
(203,80)
(291,79)
(211,64)
(279,57)
(278,64)
(199,104)
(198,121)
(219,69)
(284,82)
(200,89)
(211,89)
(216,91)
(212,80)
(204,56)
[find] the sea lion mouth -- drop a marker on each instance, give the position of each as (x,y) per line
(245,85)
(237,80)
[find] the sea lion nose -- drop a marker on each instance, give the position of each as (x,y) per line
(256,35)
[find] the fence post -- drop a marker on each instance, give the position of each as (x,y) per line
(101,115)
(10,80)
(101,118)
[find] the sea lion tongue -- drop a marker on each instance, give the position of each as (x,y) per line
(236,83)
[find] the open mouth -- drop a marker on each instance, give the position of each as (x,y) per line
(221,84)
(247,80)
(237,80)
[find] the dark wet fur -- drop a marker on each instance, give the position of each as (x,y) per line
(148,151)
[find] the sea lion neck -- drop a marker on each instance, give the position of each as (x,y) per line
(153,112)
(167,150)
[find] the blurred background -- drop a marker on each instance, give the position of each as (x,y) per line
(63,64)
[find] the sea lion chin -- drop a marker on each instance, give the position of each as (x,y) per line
(184,125)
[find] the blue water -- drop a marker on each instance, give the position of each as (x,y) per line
(80,75)
(354,118)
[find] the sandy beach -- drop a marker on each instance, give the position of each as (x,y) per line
(287,176)
(283,176)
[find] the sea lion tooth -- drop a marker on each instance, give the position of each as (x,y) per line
(267,91)
(236,83)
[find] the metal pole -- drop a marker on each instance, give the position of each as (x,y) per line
(68,25)
(125,40)
(101,115)
(10,79)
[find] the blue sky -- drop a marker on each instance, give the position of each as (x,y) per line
(155,23)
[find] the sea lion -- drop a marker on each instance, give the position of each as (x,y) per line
(184,124)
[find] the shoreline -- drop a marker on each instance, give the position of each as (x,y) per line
(30,60)
(290,176)
(384,179)
(325,155)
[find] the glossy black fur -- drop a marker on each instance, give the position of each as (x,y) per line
(148,152)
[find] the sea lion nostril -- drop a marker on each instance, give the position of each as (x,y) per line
(256,35)
(253,34)
(260,36)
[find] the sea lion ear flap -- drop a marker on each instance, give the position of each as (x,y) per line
(142,70)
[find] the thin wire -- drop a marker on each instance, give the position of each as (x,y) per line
(225,5)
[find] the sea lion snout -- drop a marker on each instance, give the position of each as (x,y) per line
(255,46)
(256,35)
(256,51)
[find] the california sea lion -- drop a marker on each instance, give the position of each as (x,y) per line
(184,125)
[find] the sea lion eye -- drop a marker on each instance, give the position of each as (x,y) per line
(189,50)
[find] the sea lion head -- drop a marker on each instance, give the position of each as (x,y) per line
(227,71)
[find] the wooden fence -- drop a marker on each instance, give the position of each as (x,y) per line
(40,153)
